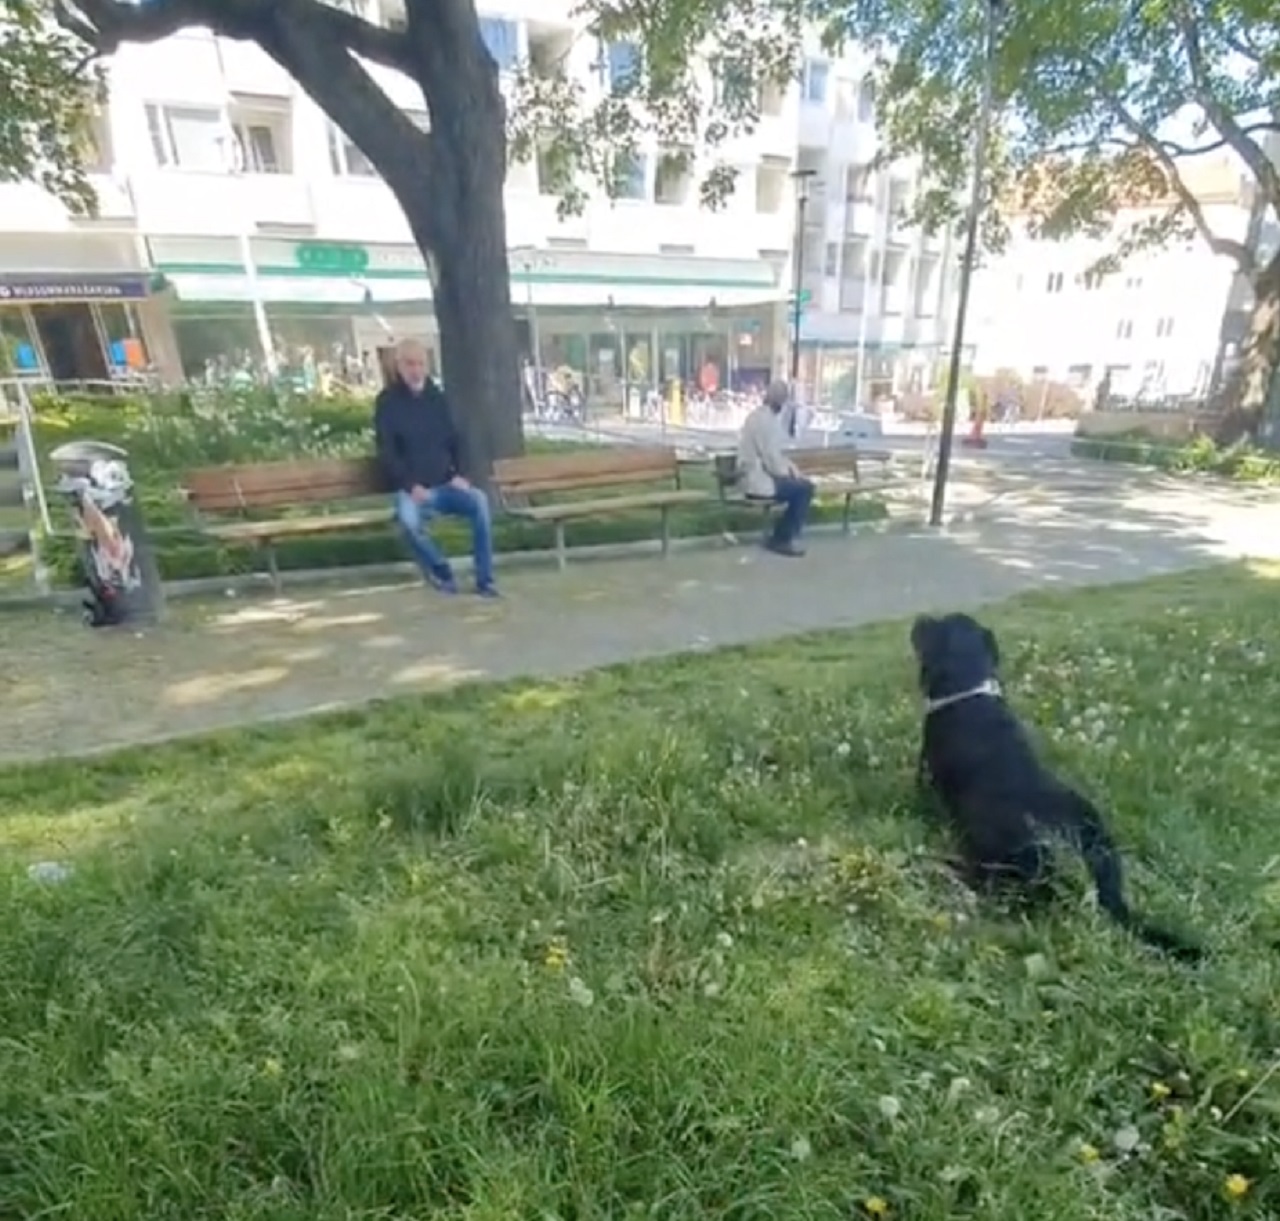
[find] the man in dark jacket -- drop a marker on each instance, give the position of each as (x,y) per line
(420,450)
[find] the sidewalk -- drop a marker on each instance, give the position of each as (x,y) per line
(67,690)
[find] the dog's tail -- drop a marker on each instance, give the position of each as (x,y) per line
(1103,861)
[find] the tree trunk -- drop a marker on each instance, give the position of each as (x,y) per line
(1252,396)
(460,225)
(448,182)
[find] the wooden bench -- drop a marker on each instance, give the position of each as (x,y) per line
(236,497)
(520,480)
(837,470)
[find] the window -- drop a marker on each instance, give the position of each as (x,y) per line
(866,100)
(623,66)
(1124,328)
(1164,328)
(895,263)
(630,177)
(816,72)
(346,160)
(831,260)
(98,154)
(256,148)
(1133,282)
(899,201)
(1091,280)
(1054,283)
(188,138)
(771,184)
(671,179)
(857,184)
(501,38)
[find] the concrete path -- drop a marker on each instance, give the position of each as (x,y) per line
(67,690)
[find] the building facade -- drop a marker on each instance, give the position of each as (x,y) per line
(877,292)
(1152,330)
(236,221)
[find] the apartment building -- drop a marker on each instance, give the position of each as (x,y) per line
(877,292)
(1156,328)
(235,218)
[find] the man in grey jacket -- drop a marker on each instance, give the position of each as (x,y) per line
(767,473)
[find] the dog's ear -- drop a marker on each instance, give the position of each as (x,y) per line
(921,631)
(993,646)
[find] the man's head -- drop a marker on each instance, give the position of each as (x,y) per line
(411,363)
(777,396)
(955,653)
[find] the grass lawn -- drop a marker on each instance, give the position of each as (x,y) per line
(669,941)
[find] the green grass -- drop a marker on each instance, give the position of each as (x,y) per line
(668,941)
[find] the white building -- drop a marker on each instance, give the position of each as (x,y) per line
(1155,326)
(880,293)
(648,285)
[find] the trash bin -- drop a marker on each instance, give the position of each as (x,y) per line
(119,563)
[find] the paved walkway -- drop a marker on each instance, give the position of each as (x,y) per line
(67,690)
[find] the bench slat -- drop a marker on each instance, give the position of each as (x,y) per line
(267,484)
(617,504)
(563,472)
(265,531)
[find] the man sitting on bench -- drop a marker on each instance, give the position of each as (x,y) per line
(421,455)
(767,473)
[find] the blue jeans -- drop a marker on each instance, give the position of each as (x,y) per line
(795,495)
(447,501)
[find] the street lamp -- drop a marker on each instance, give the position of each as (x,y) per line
(802,177)
(972,222)
(802,180)
(529,261)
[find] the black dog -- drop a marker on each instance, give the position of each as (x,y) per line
(978,759)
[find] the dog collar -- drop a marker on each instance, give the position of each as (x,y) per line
(990,687)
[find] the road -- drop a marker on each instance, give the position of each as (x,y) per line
(1018,443)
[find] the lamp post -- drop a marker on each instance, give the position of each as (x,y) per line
(802,180)
(529,261)
(972,222)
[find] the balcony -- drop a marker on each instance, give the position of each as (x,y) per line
(248,69)
(179,202)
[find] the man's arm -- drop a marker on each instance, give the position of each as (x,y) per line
(387,440)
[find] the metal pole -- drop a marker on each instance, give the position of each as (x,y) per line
(947,434)
(802,178)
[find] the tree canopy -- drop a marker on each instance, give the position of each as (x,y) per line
(49,94)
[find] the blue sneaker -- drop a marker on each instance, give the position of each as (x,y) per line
(488,590)
(443,581)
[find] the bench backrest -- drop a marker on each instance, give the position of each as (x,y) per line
(517,477)
(226,489)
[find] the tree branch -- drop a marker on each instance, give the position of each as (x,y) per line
(1181,150)
(1225,246)
(1232,132)
(342,87)
(105,24)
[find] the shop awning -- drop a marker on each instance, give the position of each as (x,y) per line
(545,293)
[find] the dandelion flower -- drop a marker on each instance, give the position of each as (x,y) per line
(1089,1154)
(876,1206)
(1160,1091)
(557,955)
(272,1067)
(1236,1187)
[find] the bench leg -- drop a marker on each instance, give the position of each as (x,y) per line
(665,528)
(846,524)
(562,552)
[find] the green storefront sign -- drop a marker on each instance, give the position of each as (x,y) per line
(331,258)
